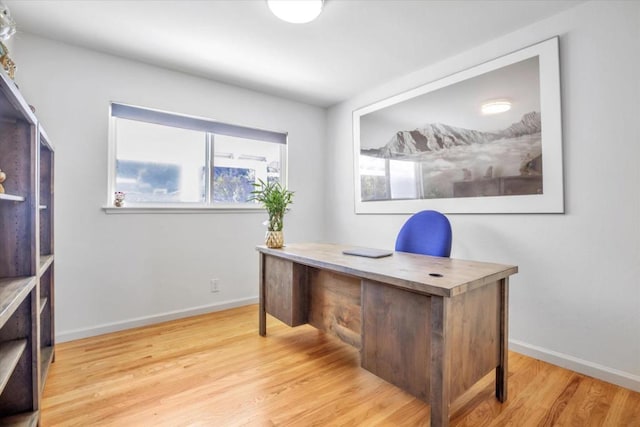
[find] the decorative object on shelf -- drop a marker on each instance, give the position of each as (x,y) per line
(7,63)
(275,199)
(3,177)
(118,199)
(7,29)
(7,24)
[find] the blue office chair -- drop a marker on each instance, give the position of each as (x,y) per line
(427,233)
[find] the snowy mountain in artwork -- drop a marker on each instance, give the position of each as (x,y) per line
(436,137)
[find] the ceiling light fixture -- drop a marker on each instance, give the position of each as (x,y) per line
(296,11)
(495,107)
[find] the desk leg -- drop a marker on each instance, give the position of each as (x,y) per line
(440,375)
(262,311)
(502,371)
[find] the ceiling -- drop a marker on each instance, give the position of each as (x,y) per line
(354,44)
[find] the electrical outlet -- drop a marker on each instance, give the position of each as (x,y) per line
(215,285)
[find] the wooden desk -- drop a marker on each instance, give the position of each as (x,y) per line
(432,326)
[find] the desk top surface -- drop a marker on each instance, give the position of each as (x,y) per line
(419,273)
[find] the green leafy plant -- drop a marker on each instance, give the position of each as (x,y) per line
(275,199)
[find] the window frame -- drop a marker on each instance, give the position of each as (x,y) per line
(208,205)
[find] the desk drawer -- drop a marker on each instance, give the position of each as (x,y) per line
(286,290)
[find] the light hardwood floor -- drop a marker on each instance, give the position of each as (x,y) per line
(215,370)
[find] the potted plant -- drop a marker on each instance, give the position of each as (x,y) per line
(275,199)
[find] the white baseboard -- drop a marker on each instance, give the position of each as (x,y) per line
(604,373)
(77,334)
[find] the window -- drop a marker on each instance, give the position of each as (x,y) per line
(162,159)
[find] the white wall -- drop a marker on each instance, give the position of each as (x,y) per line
(115,271)
(576,300)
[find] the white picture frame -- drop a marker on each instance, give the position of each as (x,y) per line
(432,148)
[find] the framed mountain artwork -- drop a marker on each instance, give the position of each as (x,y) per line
(485,140)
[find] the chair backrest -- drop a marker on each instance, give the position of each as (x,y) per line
(427,233)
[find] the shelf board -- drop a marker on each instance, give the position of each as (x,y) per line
(13,291)
(11,197)
(26,419)
(46,356)
(10,352)
(45,263)
(43,302)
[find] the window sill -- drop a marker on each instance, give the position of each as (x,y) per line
(181,209)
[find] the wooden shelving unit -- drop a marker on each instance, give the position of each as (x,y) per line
(26,259)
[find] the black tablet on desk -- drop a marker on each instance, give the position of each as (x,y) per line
(368,252)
